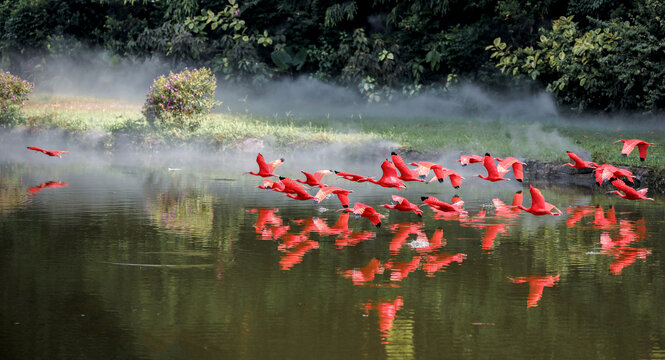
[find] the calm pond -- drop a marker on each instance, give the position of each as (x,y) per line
(140,262)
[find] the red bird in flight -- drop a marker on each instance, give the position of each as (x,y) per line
(402,204)
(48,184)
(628,192)
(629,145)
(538,204)
(493,173)
(352,177)
(469,159)
(314,179)
(578,162)
(389,178)
(266,169)
(406,174)
(342,194)
(48,152)
(366,211)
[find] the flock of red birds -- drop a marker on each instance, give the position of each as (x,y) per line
(396,172)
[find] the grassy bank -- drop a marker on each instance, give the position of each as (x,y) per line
(543,140)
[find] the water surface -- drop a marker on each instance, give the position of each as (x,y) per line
(140,262)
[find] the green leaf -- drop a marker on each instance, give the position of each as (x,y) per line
(497,41)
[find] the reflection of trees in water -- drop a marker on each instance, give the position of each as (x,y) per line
(13,193)
(183,212)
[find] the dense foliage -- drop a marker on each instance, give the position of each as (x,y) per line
(611,60)
(179,100)
(14,92)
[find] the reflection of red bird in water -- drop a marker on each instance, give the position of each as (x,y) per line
(266,169)
(629,145)
(402,204)
(366,211)
(491,233)
(48,152)
(387,312)
(508,211)
(575,214)
(402,233)
(536,286)
(620,248)
(602,221)
(266,217)
(401,270)
(353,238)
(314,179)
(364,274)
(440,262)
(48,184)
(435,242)
(296,255)
(538,204)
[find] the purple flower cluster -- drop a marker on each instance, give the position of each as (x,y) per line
(181,96)
(13,90)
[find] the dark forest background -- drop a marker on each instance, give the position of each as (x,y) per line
(598,55)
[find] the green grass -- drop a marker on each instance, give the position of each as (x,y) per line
(512,137)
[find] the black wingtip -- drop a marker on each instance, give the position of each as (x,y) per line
(624,155)
(282,178)
(456,187)
(487,154)
(336,172)
(423,198)
(597,206)
(642,159)
(378,225)
(518,192)
(440,180)
(421,215)
(393,153)
(282,159)
(520,180)
(345,206)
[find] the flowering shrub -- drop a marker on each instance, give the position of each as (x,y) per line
(13,90)
(180,100)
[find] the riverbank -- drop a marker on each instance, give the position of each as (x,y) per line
(113,126)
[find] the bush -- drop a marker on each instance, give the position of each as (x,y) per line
(180,100)
(14,92)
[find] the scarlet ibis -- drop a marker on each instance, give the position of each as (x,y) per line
(536,286)
(578,162)
(628,192)
(402,204)
(508,211)
(294,190)
(365,273)
(469,159)
(538,204)
(605,172)
(629,145)
(314,179)
(48,152)
(493,173)
(48,184)
(406,174)
(266,169)
(389,177)
(490,235)
(366,211)
(455,177)
(439,205)
(266,216)
(602,221)
(506,163)
(272,185)
(352,177)
(441,261)
(440,172)
(342,194)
